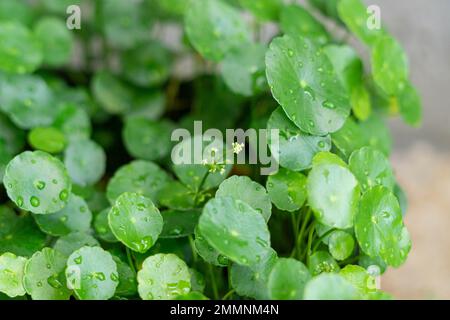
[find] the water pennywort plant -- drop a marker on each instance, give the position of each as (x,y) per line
(92,205)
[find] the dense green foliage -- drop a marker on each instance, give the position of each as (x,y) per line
(91,205)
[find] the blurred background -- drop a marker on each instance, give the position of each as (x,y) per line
(421,157)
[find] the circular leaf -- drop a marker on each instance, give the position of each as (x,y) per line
(85,161)
(322,261)
(329,286)
(379,227)
(37,182)
(176,195)
(111,93)
(11,274)
(92,274)
(20,52)
(135,221)
(263,9)
(303,82)
(341,244)
(75,216)
(235,229)
(44,277)
(73,122)
(47,139)
(244,189)
(139,176)
(296,149)
(207,252)
(163,277)
(179,223)
(287,189)
(74,241)
(287,279)
(333,194)
(214,28)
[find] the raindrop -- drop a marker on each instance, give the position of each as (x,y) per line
(328,104)
(78,260)
(40,185)
(34,201)
(63,195)
(19,201)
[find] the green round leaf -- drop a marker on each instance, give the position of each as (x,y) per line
(295,20)
(322,261)
(73,122)
(326,157)
(296,149)
(359,278)
(75,216)
(333,194)
(147,65)
(27,100)
(243,69)
(252,281)
(389,65)
(56,39)
(349,138)
(371,168)
(19,234)
(44,277)
(377,133)
(102,228)
(410,105)
(74,241)
(214,28)
(92,274)
(147,139)
(207,252)
(47,139)
(148,104)
(135,221)
(379,227)
(163,277)
(341,244)
(176,195)
(11,274)
(112,94)
(20,52)
(179,223)
(12,137)
(37,182)
(287,279)
(263,9)
(329,286)
(139,176)
(244,189)
(85,161)
(360,100)
(303,82)
(287,189)
(235,229)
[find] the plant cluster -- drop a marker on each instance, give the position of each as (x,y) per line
(92,206)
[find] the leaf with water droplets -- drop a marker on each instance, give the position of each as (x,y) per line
(135,221)
(19,234)
(303,82)
(102,228)
(163,277)
(207,252)
(371,168)
(333,194)
(143,177)
(193,295)
(243,69)
(379,227)
(214,28)
(37,182)
(244,189)
(11,274)
(20,51)
(330,286)
(85,161)
(92,274)
(252,281)
(322,261)
(178,223)
(44,277)
(74,241)
(75,216)
(235,229)
(287,189)
(341,244)
(296,149)
(389,65)
(287,279)
(295,20)
(359,278)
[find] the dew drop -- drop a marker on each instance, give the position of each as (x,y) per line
(290,53)
(19,201)
(321,144)
(63,195)
(40,185)
(78,260)
(328,104)
(34,201)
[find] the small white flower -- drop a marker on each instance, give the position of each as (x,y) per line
(237,147)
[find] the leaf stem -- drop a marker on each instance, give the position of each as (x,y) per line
(213,282)
(130,260)
(194,252)
(318,241)
(228,294)
(308,247)
(302,230)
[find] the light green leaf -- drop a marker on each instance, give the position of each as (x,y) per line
(163,277)
(303,82)
(44,277)
(296,148)
(326,157)
(330,286)
(214,28)
(92,274)
(75,216)
(135,221)
(47,139)
(287,279)
(102,228)
(11,274)
(333,195)
(37,182)
(287,189)
(341,244)
(379,227)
